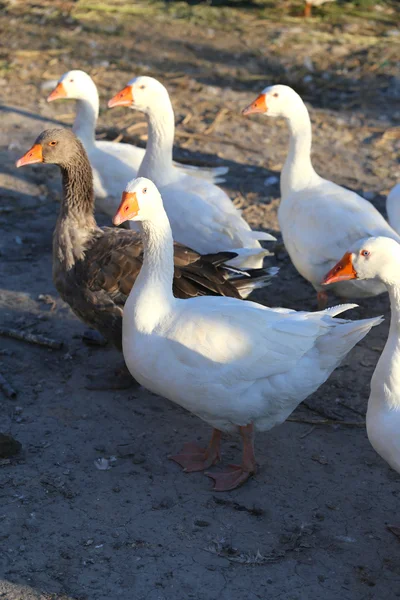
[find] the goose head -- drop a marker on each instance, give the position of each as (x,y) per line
(371,258)
(140,201)
(142,93)
(275,101)
(54,146)
(75,85)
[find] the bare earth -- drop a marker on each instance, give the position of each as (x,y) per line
(313,523)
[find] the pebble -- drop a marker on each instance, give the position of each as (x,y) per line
(272,180)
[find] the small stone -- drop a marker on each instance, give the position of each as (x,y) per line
(272,180)
(8,446)
(201,523)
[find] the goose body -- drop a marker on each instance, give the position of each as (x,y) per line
(319,219)
(94,268)
(379,258)
(237,365)
(199,212)
(113,163)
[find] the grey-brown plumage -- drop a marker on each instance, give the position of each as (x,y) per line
(95,268)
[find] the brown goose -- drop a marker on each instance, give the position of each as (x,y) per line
(95,268)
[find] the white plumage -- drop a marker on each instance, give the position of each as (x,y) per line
(113,164)
(379,258)
(233,363)
(201,214)
(319,219)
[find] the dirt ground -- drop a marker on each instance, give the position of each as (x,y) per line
(313,523)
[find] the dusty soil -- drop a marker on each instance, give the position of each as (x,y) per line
(313,523)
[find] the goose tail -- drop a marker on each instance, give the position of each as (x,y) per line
(342,338)
(210,174)
(249,258)
(257,278)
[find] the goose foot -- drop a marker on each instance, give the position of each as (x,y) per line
(195,458)
(236,475)
(229,480)
(322,300)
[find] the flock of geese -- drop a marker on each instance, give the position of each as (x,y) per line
(170,289)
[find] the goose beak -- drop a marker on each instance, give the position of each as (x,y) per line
(128,209)
(258,106)
(342,271)
(123,98)
(57,93)
(34,155)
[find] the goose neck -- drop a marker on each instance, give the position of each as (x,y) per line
(394,296)
(385,384)
(87,112)
(153,287)
(157,162)
(77,183)
(75,222)
(298,171)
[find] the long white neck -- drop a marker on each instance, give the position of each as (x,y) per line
(152,295)
(157,162)
(298,172)
(87,111)
(385,383)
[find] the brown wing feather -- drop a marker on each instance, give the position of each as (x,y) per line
(97,287)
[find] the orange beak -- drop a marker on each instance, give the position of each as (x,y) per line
(342,271)
(128,208)
(57,93)
(34,155)
(123,98)
(258,106)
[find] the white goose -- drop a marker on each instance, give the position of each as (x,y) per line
(318,218)
(235,364)
(198,210)
(379,258)
(393,207)
(113,164)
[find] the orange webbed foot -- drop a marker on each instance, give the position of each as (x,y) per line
(231,479)
(194,458)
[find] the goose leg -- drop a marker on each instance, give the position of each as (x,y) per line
(307,9)
(238,474)
(195,458)
(322,300)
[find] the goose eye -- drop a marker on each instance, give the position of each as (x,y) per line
(365,253)
(142,87)
(71,81)
(144,191)
(276,95)
(53,143)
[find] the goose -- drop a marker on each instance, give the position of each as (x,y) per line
(393,207)
(235,364)
(379,258)
(113,164)
(310,3)
(94,268)
(319,219)
(201,214)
